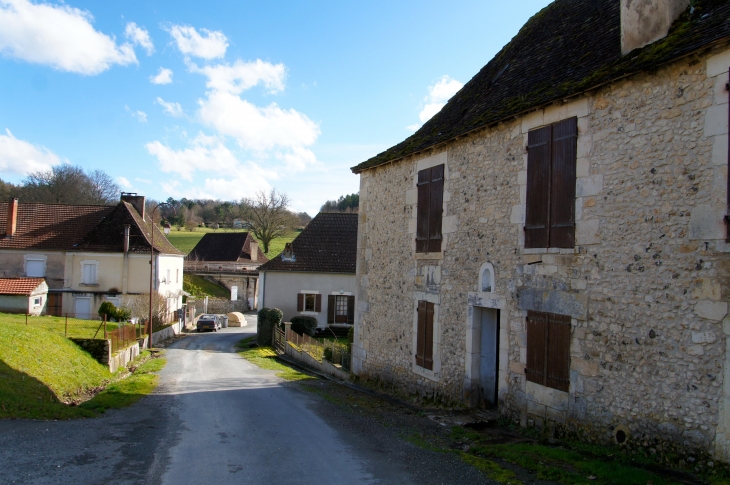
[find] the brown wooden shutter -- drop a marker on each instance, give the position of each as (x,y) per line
(538,187)
(423,210)
(300,302)
(558,357)
(562,185)
(537,324)
(428,346)
(421,333)
(351,309)
(317,302)
(331,303)
(436,209)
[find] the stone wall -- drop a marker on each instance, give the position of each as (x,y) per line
(646,285)
(99,349)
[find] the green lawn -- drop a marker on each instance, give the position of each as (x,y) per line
(76,327)
(185,241)
(42,374)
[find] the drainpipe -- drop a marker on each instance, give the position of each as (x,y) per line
(125,269)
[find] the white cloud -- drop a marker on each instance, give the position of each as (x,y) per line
(162,77)
(139,36)
(210,45)
(241,76)
(141,116)
(58,36)
(257,128)
(21,157)
(438,95)
(172,109)
(207,153)
(124,182)
(245,182)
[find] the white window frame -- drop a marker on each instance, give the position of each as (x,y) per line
(96,273)
(35,257)
(37,301)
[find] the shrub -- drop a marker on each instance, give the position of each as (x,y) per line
(123,314)
(351,334)
(327,353)
(108,309)
(267,319)
(303,324)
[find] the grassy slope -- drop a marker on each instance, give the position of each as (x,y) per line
(265,357)
(41,370)
(185,241)
(199,286)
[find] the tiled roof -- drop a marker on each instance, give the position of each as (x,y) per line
(569,47)
(50,226)
(327,245)
(231,246)
(108,234)
(19,286)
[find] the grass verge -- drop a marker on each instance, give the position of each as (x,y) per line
(125,392)
(265,357)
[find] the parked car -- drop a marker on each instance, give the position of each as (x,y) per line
(208,322)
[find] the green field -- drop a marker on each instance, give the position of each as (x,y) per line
(185,241)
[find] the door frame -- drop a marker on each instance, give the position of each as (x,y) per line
(472,390)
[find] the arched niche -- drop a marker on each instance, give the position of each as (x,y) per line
(486,278)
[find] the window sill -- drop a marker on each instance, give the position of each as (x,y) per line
(439,255)
(575,250)
(309,313)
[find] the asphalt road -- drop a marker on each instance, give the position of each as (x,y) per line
(214,419)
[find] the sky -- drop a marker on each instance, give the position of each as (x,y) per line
(223,99)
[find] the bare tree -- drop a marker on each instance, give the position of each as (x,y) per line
(268,215)
(102,188)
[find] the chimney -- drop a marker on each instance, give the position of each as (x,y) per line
(126,239)
(646,21)
(254,250)
(12,223)
(137,201)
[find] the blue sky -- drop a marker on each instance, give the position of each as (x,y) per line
(220,99)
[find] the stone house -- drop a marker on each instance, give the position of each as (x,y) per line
(23,295)
(89,254)
(315,274)
(231,259)
(553,242)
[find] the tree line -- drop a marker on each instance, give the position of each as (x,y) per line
(346,203)
(64,184)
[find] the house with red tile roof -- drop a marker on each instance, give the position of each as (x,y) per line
(315,275)
(89,254)
(23,295)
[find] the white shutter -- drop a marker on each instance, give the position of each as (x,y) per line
(35,268)
(89,276)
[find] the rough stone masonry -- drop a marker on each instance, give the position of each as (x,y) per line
(646,286)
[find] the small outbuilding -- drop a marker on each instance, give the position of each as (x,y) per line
(23,295)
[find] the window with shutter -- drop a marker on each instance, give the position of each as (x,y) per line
(89,274)
(35,268)
(331,308)
(309,302)
(424,337)
(548,350)
(551,165)
(429,209)
(351,310)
